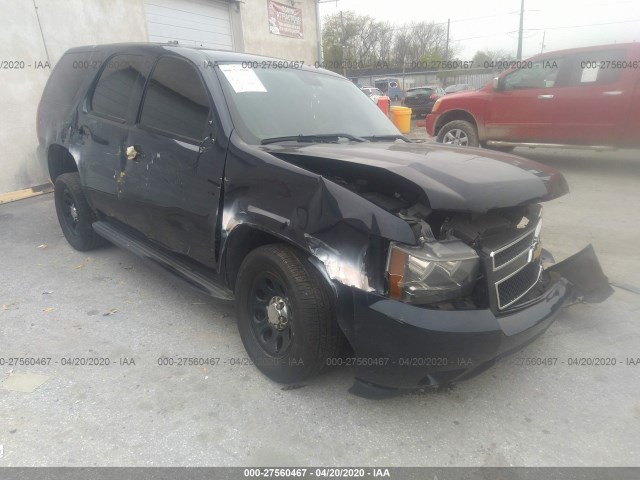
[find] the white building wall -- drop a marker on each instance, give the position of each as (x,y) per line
(65,24)
(258,39)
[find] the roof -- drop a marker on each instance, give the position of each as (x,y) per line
(212,55)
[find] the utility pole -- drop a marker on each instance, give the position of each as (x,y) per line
(319,34)
(544,34)
(521,29)
(446,48)
(344,68)
(446,54)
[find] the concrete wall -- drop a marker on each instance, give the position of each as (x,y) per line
(65,24)
(257,38)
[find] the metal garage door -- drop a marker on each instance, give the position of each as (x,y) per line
(200,23)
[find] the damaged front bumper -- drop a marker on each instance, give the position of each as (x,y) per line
(399,346)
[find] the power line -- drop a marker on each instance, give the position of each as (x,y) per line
(587,25)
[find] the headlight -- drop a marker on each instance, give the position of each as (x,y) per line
(436,106)
(432,272)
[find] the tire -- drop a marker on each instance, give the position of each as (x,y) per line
(458,132)
(74,214)
(301,346)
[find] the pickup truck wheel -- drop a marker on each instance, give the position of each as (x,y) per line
(285,314)
(74,214)
(458,132)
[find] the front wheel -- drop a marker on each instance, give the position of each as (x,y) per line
(458,132)
(286,314)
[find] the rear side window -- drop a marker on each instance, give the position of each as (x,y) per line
(176,101)
(597,68)
(114,91)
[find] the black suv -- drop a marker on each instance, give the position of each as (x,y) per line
(283,187)
(421,99)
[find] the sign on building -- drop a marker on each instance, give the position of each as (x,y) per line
(285,20)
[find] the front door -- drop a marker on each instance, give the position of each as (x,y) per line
(524,109)
(175,165)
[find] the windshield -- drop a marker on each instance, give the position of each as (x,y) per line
(269,103)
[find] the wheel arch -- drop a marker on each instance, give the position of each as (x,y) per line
(59,161)
(240,241)
(453,115)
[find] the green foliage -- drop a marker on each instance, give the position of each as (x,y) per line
(352,41)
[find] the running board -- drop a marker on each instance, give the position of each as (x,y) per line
(174,265)
(597,148)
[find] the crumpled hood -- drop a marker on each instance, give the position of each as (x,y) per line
(453,178)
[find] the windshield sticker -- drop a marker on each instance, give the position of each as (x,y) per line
(242,79)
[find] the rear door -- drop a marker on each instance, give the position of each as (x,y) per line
(524,109)
(593,107)
(103,120)
(175,168)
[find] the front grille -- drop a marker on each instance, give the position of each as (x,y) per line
(514,287)
(509,253)
(513,269)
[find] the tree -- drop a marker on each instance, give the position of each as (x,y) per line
(351,40)
(486,58)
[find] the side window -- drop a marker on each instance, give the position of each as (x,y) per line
(597,68)
(176,101)
(116,85)
(538,74)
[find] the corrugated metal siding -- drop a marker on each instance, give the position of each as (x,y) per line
(197,23)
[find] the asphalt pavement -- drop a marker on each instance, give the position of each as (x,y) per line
(61,305)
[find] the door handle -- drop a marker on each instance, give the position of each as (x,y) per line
(612,93)
(545,97)
(132,152)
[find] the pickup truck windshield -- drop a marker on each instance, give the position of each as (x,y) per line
(269,103)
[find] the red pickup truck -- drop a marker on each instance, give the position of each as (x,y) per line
(578,98)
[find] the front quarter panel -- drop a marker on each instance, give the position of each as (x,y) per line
(337,227)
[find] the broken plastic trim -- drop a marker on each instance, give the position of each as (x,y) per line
(584,272)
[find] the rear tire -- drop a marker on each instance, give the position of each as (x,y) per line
(74,214)
(286,314)
(460,133)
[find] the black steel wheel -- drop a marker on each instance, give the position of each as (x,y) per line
(74,214)
(272,315)
(286,315)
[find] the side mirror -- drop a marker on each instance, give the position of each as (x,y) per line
(498,83)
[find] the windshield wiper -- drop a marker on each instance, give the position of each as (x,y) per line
(312,138)
(386,138)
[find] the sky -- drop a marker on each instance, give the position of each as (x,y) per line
(479,25)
